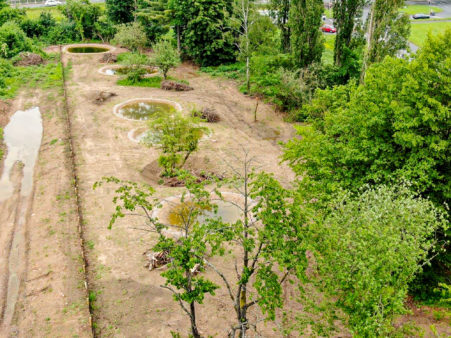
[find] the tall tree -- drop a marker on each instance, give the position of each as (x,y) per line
(306,38)
(155,16)
(244,12)
(280,11)
(206,32)
(121,11)
(387,32)
(345,13)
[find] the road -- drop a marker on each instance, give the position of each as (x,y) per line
(41,4)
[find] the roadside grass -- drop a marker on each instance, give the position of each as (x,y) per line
(328,54)
(419,31)
(417,9)
(328,13)
(34,13)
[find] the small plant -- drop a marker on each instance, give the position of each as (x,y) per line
(131,36)
(135,66)
(177,137)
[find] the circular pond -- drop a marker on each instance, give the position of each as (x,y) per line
(174,213)
(137,134)
(143,109)
(88,49)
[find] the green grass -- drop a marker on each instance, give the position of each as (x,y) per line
(328,13)
(34,13)
(328,54)
(419,31)
(152,82)
(417,9)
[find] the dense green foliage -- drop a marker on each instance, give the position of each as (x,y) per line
(135,66)
(394,126)
(13,40)
(370,247)
(206,35)
(84,15)
(306,38)
(131,36)
(120,11)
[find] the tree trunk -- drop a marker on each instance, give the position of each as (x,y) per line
(178,38)
(194,329)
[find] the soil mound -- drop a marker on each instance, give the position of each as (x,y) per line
(108,58)
(208,114)
(29,59)
(176,86)
(103,96)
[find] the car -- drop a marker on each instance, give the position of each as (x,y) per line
(420,16)
(52,3)
(329,29)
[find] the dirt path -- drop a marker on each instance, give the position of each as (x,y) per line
(41,295)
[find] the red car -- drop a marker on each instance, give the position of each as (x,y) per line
(329,29)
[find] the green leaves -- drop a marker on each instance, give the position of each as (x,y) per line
(165,56)
(370,247)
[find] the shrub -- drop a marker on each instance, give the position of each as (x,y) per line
(64,32)
(165,56)
(13,40)
(131,36)
(135,66)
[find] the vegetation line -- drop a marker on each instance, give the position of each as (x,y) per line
(77,193)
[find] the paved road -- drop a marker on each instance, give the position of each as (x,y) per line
(39,5)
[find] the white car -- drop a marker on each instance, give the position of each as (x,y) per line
(52,3)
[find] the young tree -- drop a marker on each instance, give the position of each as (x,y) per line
(244,12)
(345,14)
(370,247)
(269,237)
(280,12)
(135,66)
(120,11)
(387,32)
(186,250)
(131,36)
(306,38)
(165,56)
(177,137)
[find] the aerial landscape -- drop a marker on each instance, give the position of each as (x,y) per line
(225,168)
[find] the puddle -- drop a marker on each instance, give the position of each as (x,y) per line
(121,70)
(87,50)
(22,136)
(143,109)
(229,213)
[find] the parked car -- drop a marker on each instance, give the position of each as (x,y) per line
(420,16)
(329,29)
(52,3)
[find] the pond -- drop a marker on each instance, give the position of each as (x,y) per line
(144,109)
(179,213)
(87,50)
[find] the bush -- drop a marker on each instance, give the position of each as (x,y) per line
(13,40)
(135,66)
(131,36)
(165,56)
(84,15)
(11,14)
(64,32)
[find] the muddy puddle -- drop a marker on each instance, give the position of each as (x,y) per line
(144,110)
(228,212)
(22,136)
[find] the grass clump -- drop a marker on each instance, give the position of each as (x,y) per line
(152,82)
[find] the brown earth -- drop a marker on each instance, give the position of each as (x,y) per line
(127,298)
(52,299)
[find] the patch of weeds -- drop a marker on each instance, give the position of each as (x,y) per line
(51,231)
(90,245)
(52,142)
(151,82)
